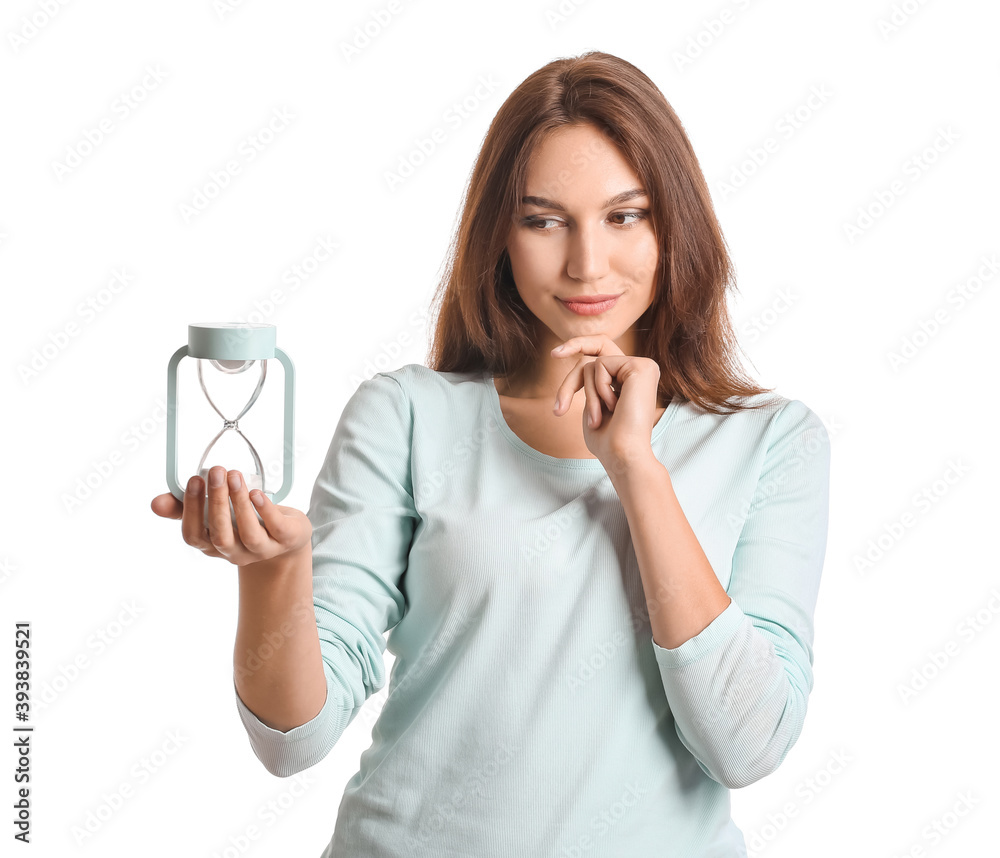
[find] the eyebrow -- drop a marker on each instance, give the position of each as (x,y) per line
(624,196)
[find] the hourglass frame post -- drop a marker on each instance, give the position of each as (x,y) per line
(288,445)
(176,490)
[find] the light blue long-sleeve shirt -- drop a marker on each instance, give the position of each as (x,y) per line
(529,710)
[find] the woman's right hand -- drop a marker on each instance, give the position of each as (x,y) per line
(284,530)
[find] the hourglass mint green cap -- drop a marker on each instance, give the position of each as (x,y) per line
(224,341)
(231,341)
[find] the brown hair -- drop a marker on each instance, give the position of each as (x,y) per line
(482,323)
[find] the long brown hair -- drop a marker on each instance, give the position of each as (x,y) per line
(481,321)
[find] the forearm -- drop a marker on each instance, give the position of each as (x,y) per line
(277,666)
(683,593)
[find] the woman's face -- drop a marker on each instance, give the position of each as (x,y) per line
(572,238)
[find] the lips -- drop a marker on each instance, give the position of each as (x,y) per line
(588,299)
(590,305)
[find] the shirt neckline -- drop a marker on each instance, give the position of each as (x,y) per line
(555,461)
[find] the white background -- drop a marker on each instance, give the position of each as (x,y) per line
(821,313)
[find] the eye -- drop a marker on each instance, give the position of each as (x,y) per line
(534,222)
(637,215)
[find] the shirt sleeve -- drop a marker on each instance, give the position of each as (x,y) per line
(363,520)
(738,689)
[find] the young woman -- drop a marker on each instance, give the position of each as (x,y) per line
(597,546)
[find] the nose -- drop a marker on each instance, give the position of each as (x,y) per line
(588,254)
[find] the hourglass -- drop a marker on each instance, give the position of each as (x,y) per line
(220,398)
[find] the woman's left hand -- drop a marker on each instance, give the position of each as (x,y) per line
(623,421)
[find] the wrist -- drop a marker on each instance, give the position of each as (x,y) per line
(628,466)
(282,564)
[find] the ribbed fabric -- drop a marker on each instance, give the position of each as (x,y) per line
(529,711)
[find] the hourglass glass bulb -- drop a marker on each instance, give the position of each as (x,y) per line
(231,366)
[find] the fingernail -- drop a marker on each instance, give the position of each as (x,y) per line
(558,348)
(590,420)
(557,405)
(234,481)
(216,477)
(192,485)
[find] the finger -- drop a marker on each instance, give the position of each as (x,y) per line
(567,390)
(604,379)
(167,506)
(248,528)
(193,528)
(594,345)
(275,521)
(193,521)
(592,406)
(220,522)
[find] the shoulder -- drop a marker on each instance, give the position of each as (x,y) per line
(419,383)
(417,377)
(426,394)
(791,434)
(790,421)
(767,423)
(793,419)
(768,410)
